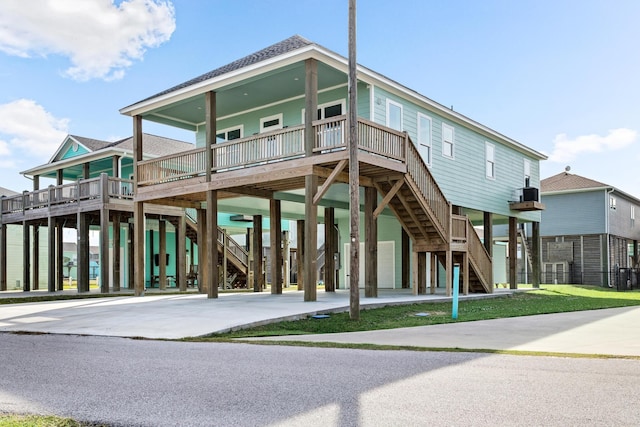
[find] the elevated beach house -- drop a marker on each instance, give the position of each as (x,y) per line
(271,140)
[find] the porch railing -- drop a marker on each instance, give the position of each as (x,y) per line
(459,229)
(75,192)
(480,256)
(284,144)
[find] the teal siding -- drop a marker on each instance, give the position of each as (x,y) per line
(69,153)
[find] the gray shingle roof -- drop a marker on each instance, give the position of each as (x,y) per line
(90,143)
(7,192)
(280,48)
(154,145)
(566,181)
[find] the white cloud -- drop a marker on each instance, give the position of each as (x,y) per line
(31,129)
(566,149)
(100,38)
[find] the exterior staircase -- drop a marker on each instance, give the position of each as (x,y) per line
(426,215)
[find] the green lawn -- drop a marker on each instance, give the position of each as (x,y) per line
(10,420)
(549,299)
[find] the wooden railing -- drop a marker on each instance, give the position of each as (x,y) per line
(458,228)
(431,192)
(480,257)
(75,192)
(186,164)
(381,140)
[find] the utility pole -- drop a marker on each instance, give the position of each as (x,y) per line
(354,172)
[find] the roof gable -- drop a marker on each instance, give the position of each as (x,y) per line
(74,146)
(565,181)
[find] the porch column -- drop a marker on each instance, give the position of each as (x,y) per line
(130,255)
(488,232)
(203,259)
(3,253)
(311,239)
(414,277)
(535,253)
(286,273)
(162,254)
(370,243)
(86,171)
(258,272)
(406,260)
(36,244)
(465,272)
(210,130)
(275,236)
(51,264)
(26,252)
(434,273)
(448,272)
(115,166)
(212,244)
(422,273)
(138,213)
(181,253)
(300,254)
(83,252)
(104,234)
(116,252)
(513,252)
(329,250)
(59,254)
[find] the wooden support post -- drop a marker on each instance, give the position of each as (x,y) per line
(311,239)
(465,273)
(203,259)
(181,254)
(86,170)
(138,248)
(116,252)
(535,253)
(286,273)
(83,253)
(275,236)
(210,132)
(434,273)
(115,166)
(225,258)
(370,243)
(36,257)
(212,244)
(406,260)
(162,254)
(3,253)
(104,234)
(26,252)
(51,264)
(414,277)
(300,254)
(488,232)
(448,272)
(329,250)
(59,255)
(422,273)
(513,252)
(258,276)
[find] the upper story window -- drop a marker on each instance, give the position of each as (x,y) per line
(328,110)
(394,115)
(271,123)
(229,134)
(527,173)
(633,216)
(424,137)
(612,203)
(490,156)
(448,137)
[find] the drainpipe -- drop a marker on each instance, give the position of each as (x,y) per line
(608,209)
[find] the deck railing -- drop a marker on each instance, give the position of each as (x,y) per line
(75,192)
(430,190)
(283,144)
(459,229)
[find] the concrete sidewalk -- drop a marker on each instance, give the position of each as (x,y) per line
(610,331)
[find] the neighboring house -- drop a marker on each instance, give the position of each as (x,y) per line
(271,131)
(588,231)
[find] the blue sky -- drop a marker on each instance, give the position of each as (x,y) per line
(559,76)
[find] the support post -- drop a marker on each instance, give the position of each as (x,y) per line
(210,131)
(258,276)
(181,261)
(535,253)
(138,248)
(370,243)
(286,274)
(465,273)
(513,252)
(434,272)
(130,256)
(104,234)
(311,239)
(422,273)
(212,243)
(448,272)
(162,254)
(36,257)
(300,224)
(275,236)
(116,252)
(329,250)
(26,252)
(59,255)
(415,284)
(83,253)
(203,259)
(51,267)
(488,232)
(3,254)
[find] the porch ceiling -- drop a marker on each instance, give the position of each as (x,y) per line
(275,86)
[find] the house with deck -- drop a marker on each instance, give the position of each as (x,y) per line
(271,141)
(589,231)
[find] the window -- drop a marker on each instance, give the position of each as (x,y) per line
(633,212)
(527,173)
(424,137)
(330,109)
(447,140)
(229,134)
(490,160)
(612,203)
(394,115)
(271,123)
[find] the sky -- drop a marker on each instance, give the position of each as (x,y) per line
(560,76)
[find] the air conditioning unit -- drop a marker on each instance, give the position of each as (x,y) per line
(530,194)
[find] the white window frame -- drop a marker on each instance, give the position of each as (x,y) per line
(395,104)
(612,203)
(490,160)
(269,118)
(226,133)
(342,102)
(427,143)
(452,142)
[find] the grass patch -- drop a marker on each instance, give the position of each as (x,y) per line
(11,420)
(551,299)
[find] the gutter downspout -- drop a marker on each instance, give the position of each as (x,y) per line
(608,209)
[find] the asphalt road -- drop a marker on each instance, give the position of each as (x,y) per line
(158,383)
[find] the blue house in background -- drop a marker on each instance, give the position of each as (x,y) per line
(589,231)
